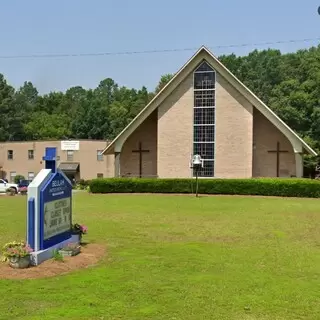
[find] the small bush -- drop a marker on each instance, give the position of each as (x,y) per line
(57,256)
(82,184)
(18,177)
(283,187)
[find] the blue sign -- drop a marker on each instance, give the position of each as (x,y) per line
(55,210)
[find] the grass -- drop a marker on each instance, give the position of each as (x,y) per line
(178,257)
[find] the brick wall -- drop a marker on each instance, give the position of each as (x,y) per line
(86,156)
(175,132)
(146,133)
(233,150)
(266,136)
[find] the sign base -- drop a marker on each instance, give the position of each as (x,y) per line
(38,257)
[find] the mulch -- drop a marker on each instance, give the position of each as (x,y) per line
(89,256)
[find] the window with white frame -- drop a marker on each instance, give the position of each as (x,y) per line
(30,176)
(204,117)
(69,155)
(99,155)
(30,154)
(12,176)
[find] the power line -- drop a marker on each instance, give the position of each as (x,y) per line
(71,55)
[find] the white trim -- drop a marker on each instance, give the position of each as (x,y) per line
(203,142)
(200,90)
(204,54)
(262,107)
(34,192)
(206,107)
(204,71)
(116,144)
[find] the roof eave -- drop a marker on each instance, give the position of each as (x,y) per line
(239,85)
(160,93)
(258,100)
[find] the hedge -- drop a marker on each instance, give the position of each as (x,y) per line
(283,187)
(82,184)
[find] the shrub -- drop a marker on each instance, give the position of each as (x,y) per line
(18,177)
(284,187)
(82,184)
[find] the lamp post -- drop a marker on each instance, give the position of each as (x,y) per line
(197,164)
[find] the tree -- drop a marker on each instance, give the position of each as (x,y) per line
(118,118)
(163,81)
(18,178)
(288,83)
(7,110)
(44,126)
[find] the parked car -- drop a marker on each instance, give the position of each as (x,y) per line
(23,186)
(4,186)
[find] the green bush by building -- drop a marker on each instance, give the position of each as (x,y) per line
(290,187)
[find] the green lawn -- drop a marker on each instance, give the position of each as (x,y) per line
(178,257)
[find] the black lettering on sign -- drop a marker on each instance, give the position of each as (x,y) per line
(56,213)
(60,204)
(53,222)
(66,210)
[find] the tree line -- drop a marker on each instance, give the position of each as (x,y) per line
(288,83)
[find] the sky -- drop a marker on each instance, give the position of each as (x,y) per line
(39,27)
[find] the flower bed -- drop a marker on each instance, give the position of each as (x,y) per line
(23,190)
(80,230)
(17,254)
(72,249)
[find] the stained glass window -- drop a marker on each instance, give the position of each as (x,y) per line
(204,117)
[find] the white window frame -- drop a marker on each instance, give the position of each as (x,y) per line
(30,151)
(99,155)
(70,154)
(13,174)
(33,175)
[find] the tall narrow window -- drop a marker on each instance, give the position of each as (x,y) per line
(12,176)
(69,155)
(30,154)
(204,117)
(10,154)
(30,176)
(99,155)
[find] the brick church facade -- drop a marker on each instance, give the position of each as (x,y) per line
(206,110)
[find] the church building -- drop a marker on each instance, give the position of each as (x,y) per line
(206,110)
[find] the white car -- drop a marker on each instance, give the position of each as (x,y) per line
(4,186)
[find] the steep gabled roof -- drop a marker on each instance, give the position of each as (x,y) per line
(204,54)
